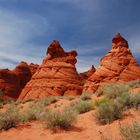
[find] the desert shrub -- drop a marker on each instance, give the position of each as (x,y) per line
(56,119)
(125,100)
(1,95)
(129,100)
(48,100)
(101,101)
(135,101)
(109,111)
(32,113)
(23,101)
(53,99)
(5,101)
(112,90)
(82,106)
(43,101)
(131,131)
(134,83)
(70,98)
(8,101)
(8,119)
(85,96)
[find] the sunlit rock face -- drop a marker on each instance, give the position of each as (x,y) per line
(118,65)
(56,76)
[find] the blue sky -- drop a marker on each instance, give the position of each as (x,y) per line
(27,27)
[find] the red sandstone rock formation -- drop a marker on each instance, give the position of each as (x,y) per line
(118,65)
(23,72)
(13,81)
(9,83)
(33,68)
(56,76)
(85,75)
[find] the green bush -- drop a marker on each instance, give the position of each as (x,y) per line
(129,100)
(131,131)
(43,101)
(125,100)
(135,101)
(8,119)
(85,96)
(101,101)
(109,111)
(112,90)
(32,113)
(70,98)
(53,99)
(23,101)
(48,100)
(55,119)
(82,106)
(133,83)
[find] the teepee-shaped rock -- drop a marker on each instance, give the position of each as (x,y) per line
(56,76)
(118,65)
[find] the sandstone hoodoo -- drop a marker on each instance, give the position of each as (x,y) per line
(85,75)
(33,67)
(118,65)
(13,81)
(56,76)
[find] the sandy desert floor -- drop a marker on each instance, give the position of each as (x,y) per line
(85,128)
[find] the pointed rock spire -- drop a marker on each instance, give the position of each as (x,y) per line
(118,65)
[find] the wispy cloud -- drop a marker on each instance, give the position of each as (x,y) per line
(16,35)
(27,27)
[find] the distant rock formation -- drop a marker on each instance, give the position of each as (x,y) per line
(85,75)
(56,76)
(9,83)
(118,65)
(33,67)
(13,81)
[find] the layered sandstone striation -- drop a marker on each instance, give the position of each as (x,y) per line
(56,76)
(33,67)
(13,81)
(118,65)
(85,75)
